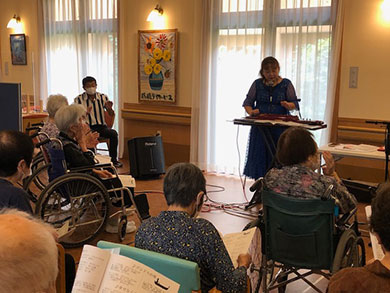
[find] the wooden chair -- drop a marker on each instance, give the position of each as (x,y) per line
(184,272)
(61,282)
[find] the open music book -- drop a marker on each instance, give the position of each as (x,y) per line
(102,271)
(238,243)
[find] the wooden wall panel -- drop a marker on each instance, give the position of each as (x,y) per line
(172,122)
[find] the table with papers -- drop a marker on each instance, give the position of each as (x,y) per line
(364,151)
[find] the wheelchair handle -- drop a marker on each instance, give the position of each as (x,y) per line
(40,124)
(327,194)
(256,185)
(39,144)
(34,134)
(33,128)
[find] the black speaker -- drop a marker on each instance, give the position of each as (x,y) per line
(146,155)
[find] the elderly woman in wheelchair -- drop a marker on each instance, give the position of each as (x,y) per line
(81,192)
(301,222)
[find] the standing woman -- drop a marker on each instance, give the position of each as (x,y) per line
(269,94)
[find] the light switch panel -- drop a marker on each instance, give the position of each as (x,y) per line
(353,77)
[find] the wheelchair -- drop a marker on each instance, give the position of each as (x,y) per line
(304,234)
(76,198)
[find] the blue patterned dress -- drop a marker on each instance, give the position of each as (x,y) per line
(267,99)
(175,233)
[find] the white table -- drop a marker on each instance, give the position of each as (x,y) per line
(356,151)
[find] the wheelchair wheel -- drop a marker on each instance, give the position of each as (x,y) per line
(37,181)
(80,199)
(347,254)
(361,249)
(122,226)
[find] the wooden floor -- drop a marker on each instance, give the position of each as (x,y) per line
(224,190)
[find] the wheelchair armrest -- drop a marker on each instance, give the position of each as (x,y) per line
(88,168)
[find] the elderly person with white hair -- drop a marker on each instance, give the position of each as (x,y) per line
(54,102)
(29,256)
(70,121)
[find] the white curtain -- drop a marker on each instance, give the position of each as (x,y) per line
(80,38)
(297,32)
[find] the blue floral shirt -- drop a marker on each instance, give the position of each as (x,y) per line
(177,234)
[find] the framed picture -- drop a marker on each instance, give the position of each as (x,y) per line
(157,59)
(18,49)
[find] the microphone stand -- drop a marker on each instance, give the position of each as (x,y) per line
(387,143)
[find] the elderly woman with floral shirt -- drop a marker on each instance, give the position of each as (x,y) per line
(298,154)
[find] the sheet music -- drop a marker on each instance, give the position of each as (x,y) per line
(376,247)
(91,269)
(238,243)
(125,275)
(100,271)
(127,180)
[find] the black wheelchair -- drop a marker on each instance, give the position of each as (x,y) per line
(77,198)
(301,237)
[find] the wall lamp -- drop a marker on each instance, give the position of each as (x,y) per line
(155,14)
(14,22)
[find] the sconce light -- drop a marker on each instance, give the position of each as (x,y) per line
(155,14)
(14,22)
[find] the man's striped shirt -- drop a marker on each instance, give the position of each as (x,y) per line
(96,115)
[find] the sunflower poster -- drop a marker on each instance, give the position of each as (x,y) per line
(157,65)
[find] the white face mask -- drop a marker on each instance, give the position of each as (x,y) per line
(90,90)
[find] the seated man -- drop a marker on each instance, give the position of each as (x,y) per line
(70,120)
(374,277)
(177,232)
(297,152)
(96,103)
(29,256)
(16,152)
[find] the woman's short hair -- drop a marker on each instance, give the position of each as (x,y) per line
(14,147)
(268,62)
(68,116)
(182,183)
(295,146)
(380,217)
(54,102)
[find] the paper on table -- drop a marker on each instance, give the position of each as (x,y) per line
(238,243)
(376,247)
(124,274)
(127,180)
(357,147)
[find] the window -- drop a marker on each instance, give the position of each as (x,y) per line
(81,39)
(296,32)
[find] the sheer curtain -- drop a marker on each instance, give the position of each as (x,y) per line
(80,39)
(297,32)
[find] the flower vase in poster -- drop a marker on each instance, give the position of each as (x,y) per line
(157,66)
